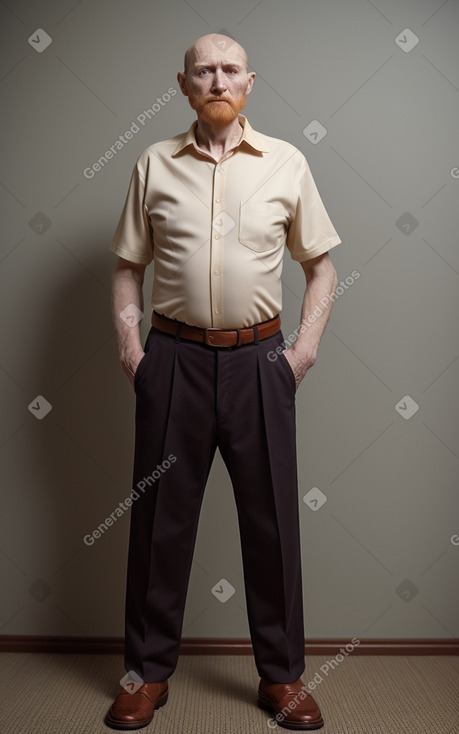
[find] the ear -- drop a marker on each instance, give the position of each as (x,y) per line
(181,78)
(250,82)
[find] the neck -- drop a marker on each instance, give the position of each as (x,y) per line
(217,141)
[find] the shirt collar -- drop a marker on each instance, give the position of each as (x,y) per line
(249,136)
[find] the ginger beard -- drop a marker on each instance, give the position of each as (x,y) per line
(217,113)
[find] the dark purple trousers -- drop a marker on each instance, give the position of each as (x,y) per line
(191,398)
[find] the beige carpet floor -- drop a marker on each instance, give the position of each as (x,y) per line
(69,694)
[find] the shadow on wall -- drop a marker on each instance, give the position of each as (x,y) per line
(72,465)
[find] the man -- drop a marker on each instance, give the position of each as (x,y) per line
(214,208)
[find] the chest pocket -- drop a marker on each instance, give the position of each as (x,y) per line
(262,226)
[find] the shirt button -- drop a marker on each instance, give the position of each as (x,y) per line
(218,201)
(216,272)
(216,310)
(216,236)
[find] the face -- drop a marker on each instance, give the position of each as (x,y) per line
(216,82)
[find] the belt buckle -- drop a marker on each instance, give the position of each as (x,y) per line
(209,338)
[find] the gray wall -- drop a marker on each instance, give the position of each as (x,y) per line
(380,555)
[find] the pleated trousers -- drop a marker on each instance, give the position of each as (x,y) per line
(190,399)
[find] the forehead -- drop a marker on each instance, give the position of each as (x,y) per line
(208,53)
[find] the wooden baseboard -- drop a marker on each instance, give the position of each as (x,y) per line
(229,646)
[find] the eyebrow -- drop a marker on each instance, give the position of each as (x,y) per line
(224,63)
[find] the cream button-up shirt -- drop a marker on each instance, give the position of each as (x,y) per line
(216,232)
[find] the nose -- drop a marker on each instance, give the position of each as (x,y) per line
(218,81)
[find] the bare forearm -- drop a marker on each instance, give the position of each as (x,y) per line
(315,313)
(127,289)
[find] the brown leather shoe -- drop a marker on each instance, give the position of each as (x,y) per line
(135,710)
(291,703)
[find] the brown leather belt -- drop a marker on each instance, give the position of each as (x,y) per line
(216,337)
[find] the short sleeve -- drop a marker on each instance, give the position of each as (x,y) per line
(311,232)
(133,238)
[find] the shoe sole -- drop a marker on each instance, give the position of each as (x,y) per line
(265,703)
(128,726)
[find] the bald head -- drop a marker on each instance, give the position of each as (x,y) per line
(227,48)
